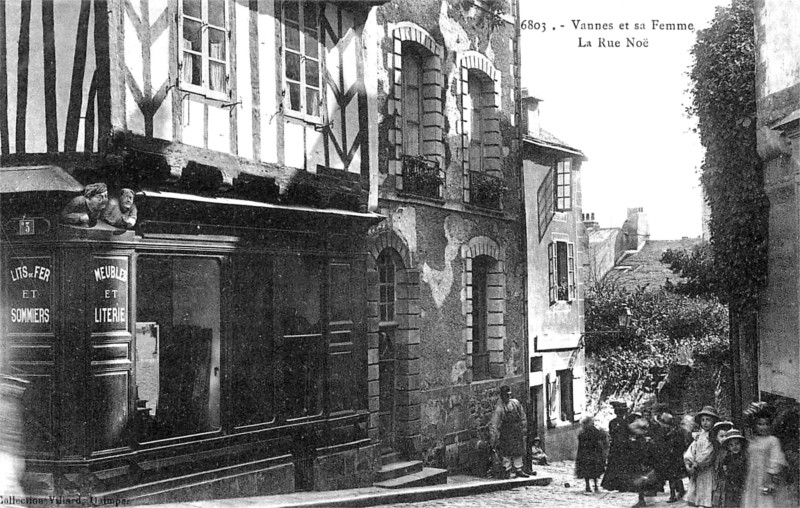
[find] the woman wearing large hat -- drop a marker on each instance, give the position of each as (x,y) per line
(699,460)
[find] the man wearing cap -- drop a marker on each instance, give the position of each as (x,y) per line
(507,429)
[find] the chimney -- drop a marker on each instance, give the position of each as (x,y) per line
(530,114)
(589,222)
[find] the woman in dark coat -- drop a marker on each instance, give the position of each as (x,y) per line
(618,436)
(590,461)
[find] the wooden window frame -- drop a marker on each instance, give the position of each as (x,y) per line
(205,88)
(562,188)
(302,28)
(411,54)
(561,262)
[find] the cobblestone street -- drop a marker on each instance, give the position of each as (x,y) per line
(565,491)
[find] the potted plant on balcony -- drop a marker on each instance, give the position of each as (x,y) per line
(421,176)
(487,190)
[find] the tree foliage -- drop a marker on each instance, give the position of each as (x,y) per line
(724,101)
(666,328)
(697,270)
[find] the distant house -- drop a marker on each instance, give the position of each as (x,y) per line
(554,230)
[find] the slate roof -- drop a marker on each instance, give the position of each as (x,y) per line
(644,268)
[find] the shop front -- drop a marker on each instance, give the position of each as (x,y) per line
(215,348)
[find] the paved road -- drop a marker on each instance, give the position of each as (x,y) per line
(557,495)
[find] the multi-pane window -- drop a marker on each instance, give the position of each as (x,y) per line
(301,59)
(386,283)
(477,121)
(480,315)
(563,187)
(412,101)
(561,256)
(204,47)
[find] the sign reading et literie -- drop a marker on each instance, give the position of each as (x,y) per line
(110,280)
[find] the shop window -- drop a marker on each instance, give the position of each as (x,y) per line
(298,304)
(480,314)
(301,59)
(561,257)
(563,185)
(204,47)
(177,346)
(387,269)
(253,355)
(567,413)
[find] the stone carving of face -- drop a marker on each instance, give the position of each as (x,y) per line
(125,200)
(97,202)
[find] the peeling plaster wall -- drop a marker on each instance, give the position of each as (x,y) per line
(456,230)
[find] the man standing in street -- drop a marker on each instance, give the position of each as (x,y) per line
(507,429)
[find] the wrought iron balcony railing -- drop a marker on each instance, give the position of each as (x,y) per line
(422,177)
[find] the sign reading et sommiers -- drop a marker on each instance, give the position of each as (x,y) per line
(109,278)
(30,295)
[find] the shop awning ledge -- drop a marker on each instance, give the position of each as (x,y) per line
(221,201)
(16,179)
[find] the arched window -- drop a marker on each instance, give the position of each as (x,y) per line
(480,314)
(477,121)
(412,100)
(387,269)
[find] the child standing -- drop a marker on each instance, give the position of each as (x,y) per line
(717,436)
(765,460)
(590,461)
(699,459)
(734,467)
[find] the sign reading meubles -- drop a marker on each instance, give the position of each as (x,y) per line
(110,280)
(29,294)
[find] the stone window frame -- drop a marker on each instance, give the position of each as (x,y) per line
(407,342)
(496,305)
(479,65)
(413,36)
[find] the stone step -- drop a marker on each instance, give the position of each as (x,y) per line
(398,469)
(388,458)
(428,476)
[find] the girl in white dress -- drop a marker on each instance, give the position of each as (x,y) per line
(762,488)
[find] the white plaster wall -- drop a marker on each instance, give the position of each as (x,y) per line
(244,88)
(267,78)
(781,19)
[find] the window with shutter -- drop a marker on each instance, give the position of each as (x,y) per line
(561,261)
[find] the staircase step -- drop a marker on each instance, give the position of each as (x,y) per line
(398,469)
(428,476)
(388,458)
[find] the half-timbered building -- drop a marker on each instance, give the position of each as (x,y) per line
(215,341)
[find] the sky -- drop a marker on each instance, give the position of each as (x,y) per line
(624,107)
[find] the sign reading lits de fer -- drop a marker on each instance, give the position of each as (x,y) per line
(29,294)
(110,280)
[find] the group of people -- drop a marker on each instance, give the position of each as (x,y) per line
(643,451)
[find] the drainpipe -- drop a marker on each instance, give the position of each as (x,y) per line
(526,353)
